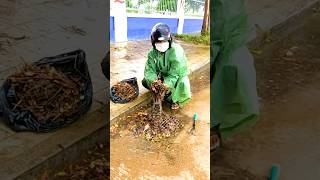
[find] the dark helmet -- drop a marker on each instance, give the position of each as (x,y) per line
(161,32)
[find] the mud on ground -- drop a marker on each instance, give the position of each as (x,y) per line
(288,61)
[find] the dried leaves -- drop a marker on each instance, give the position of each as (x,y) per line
(48,94)
(125,91)
(154,128)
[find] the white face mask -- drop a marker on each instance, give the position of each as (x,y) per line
(162,47)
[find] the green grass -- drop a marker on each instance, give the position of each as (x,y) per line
(196,39)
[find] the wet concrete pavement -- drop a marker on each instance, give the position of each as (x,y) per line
(185,156)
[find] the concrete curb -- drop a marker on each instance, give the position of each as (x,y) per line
(285,25)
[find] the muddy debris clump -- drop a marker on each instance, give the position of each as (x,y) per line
(49,94)
(153,128)
(157,124)
(125,91)
(158,91)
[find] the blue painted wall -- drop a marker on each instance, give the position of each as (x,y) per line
(111,28)
(140,27)
(192,25)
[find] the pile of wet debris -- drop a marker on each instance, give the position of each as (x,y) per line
(152,128)
(125,91)
(155,125)
(49,94)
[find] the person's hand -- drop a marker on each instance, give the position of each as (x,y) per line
(153,89)
(153,84)
(165,89)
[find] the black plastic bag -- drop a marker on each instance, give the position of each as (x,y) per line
(72,63)
(133,82)
(105,65)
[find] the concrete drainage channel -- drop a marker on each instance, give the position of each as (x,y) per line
(70,151)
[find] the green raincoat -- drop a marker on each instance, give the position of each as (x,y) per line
(234,101)
(172,67)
